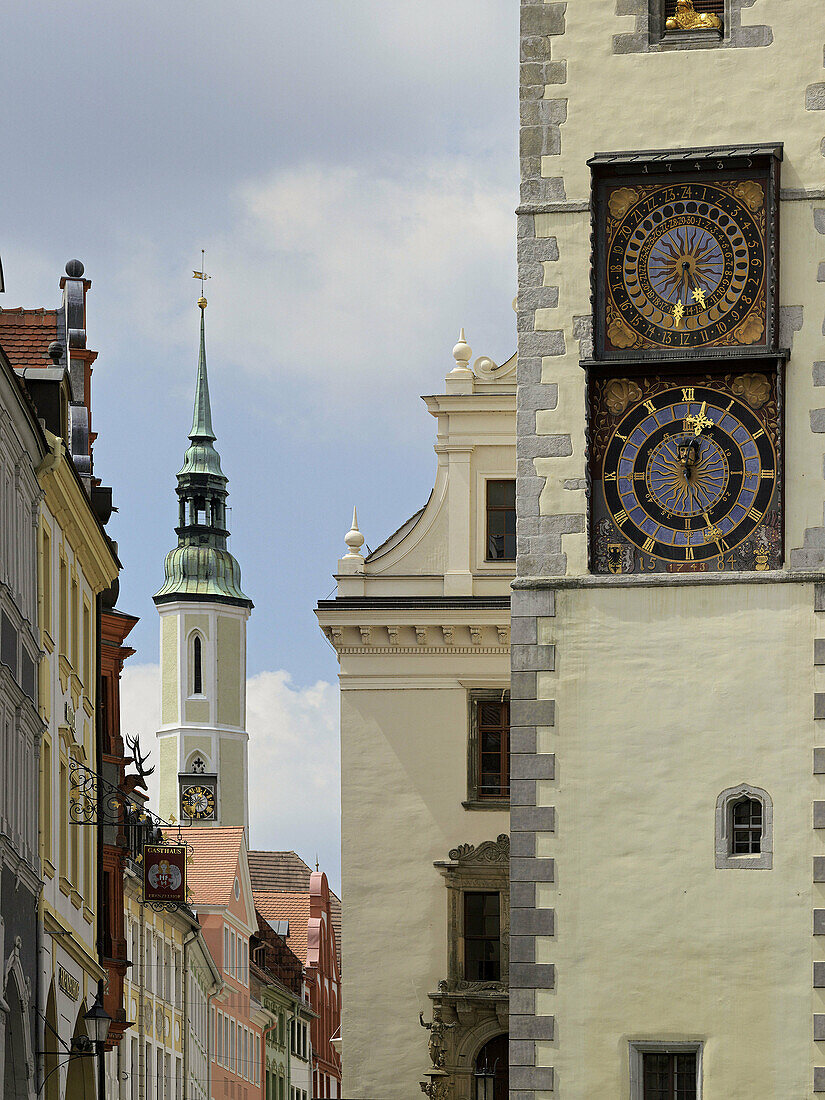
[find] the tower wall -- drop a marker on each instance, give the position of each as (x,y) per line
(638,701)
(209,724)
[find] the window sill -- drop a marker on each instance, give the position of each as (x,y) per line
(499,804)
(701,39)
(761,862)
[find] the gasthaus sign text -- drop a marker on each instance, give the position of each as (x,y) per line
(164,872)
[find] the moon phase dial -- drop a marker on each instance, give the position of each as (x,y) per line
(688,474)
(686,266)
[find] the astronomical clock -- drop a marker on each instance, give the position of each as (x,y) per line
(685,384)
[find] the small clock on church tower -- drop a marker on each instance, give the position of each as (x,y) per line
(685,385)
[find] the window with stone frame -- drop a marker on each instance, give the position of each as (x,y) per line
(744,829)
(488,750)
(482,936)
(661,1070)
(668,1076)
(478,914)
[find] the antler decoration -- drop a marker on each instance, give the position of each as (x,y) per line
(139,759)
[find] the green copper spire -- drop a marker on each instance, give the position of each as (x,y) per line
(202,416)
(201,567)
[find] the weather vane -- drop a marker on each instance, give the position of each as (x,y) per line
(201,275)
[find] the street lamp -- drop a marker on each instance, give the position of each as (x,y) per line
(97,1023)
(486,1081)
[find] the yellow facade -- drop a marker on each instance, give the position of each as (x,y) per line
(76,563)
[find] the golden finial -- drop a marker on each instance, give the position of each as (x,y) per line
(201,275)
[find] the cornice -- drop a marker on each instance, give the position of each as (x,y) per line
(419,651)
(68,938)
(67,500)
(490,634)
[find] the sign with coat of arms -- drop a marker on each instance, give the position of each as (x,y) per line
(164,873)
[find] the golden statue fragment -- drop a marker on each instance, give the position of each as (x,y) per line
(685,18)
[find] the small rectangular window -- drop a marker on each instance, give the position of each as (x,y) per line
(46,565)
(482,936)
(501,521)
(64,608)
(493,748)
(75,612)
(8,644)
(668,1076)
(747,827)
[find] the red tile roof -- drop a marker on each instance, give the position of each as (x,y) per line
(273,872)
(291,907)
(25,335)
(211,874)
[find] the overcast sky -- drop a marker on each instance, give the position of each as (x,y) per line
(350,169)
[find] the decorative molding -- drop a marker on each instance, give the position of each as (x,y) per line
(490,851)
(394,650)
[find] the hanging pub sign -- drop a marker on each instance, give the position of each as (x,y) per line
(164,872)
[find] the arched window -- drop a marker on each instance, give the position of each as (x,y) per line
(197,666)
(744,829)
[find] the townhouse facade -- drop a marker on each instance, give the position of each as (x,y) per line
(421,629)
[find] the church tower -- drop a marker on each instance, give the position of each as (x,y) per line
(203,615)
(668,613)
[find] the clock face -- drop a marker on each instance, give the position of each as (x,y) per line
(198,802)
(685,265)
(686,476)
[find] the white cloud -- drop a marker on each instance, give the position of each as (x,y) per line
(343,272)
(294,800)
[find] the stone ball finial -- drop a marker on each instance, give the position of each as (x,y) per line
(75,269)
(353,538)
(462,353)
(55,351)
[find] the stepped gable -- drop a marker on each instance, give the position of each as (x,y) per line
(286,872)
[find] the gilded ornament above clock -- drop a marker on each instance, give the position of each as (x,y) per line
(686,18)
(684,260)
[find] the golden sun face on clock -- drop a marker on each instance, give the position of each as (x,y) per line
(198,802)
(685,265)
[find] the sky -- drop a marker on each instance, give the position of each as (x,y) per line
(351,171)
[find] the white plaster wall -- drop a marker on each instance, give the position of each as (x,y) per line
(404,766)
(652,941)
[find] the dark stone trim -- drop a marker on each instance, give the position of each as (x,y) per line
(668,580)
(392,603)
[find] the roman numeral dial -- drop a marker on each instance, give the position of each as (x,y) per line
(688,476)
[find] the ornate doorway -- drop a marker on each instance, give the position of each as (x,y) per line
(493,1060)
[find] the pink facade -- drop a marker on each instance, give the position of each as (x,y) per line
(222,898)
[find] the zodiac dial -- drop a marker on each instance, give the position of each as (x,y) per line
(688,474)
(198,802)
(686,265)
